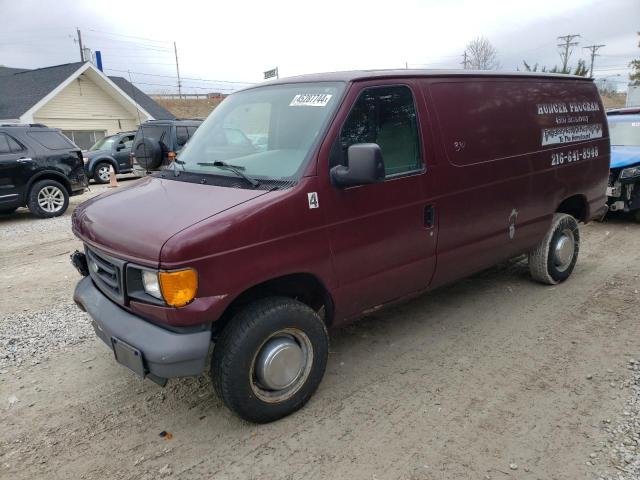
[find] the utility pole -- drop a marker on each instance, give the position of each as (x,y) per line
(80,44)
(594,49)
(175,50)
(465,60)
(568,43)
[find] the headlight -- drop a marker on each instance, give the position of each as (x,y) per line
(151,284)
(630,172)
(178,287)
(85,159)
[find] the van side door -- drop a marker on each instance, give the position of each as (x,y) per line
(383,235)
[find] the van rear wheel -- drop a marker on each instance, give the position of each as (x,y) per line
(554,258)
(270,359)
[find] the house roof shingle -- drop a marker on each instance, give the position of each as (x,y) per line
(142,99)
(21,89)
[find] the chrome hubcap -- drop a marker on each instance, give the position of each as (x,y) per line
(282,365)
(103,173)
(51,199)
(564,250)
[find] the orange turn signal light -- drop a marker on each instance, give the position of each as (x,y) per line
(178,287)
(171,155)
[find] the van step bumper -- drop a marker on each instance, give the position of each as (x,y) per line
(165,354)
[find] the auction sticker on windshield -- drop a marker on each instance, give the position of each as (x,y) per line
(310,100)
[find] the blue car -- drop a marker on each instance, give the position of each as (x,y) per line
(623,192)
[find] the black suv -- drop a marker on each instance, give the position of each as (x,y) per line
(112,151)
(39,168)
(158,141)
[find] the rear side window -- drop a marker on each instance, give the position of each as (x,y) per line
(4,144)
(386,116)
(14,146)
(52,140)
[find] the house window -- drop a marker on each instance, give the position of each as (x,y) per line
(84,139)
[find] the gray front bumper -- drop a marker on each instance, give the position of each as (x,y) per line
(166,354)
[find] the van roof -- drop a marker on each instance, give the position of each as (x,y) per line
(355,75)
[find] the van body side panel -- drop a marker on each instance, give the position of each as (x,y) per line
(500,186)
(381,248)
(278,234)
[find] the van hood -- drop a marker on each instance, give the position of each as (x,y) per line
(624,156)
(135,222)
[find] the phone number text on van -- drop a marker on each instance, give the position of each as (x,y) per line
(586,153)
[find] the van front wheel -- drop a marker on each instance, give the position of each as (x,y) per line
(553,260)
(270,359)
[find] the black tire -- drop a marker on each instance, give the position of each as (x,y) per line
(7,211)
(99,170)
(549,263)
(236,353)
(40,188)
(148,153)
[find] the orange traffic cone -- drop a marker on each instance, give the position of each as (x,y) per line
(113,181)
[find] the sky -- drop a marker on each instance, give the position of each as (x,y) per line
(223,46)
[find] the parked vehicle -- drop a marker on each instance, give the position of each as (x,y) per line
(39,168)
(624,180)
(364,188)
(109,152)
(157,142)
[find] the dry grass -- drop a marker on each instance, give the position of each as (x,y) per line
(189,107)
(614,101)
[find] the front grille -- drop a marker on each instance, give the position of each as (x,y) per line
(107,273)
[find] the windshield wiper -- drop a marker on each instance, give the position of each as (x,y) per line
(233,168)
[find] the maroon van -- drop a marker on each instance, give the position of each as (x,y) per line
(301,204)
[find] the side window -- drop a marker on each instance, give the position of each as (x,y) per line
(14,146)
(386,116)
(191,131)
(128,142)
(4,144)
(181,136)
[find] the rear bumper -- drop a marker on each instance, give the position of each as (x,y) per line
(165,354)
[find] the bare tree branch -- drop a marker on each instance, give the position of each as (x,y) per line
(482,55)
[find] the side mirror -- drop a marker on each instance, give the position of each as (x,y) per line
(120,147)
(364,166)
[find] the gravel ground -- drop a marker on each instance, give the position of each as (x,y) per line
(493,377)
(623,443)
(31,337)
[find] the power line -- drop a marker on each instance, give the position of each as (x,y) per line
(129,36)
(568,43)
(183,78)
(593,49)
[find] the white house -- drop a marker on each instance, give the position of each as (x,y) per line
(77,98)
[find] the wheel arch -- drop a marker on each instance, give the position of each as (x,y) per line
(304,287)
(48,175)
(576,206)
(110,160)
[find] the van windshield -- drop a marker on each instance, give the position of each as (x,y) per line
(268,132)
(625,133)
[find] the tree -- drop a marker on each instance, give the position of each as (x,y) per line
(580,70)
(634,76)
(481,55)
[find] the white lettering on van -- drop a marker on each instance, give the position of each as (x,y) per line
(312,197)
(548,108)
(576,133)
(311,100)
(571,107)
